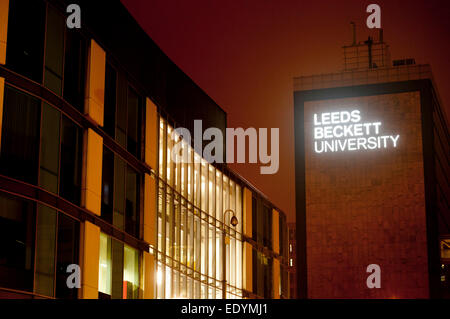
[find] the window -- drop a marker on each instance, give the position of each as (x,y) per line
(36,248)
(20,143)
(268,277)
(54,50)
(284,284)
(262,275)
(17,224)
(75,68)
(134,127)
(110,100)
(254,219)
(283,239)
(71,160)
(45,250)
(123,111)
(118,270)
(267,227)
(56,137)
(50,146)
(67,253)
(132,202)
(105,266)
(120,193)
(108,185)
(445,249)
(26,26)
(192,198)
(130,273)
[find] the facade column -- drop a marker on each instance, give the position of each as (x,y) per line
(151,134)
(248,250)
(150,196)
(276,249)
(276,231)
(92,172)
(4,11)
(89,260)
(149,274)
(93,143)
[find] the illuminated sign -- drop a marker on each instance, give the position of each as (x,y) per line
(343,131)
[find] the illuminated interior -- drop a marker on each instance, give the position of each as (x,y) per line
(192,198)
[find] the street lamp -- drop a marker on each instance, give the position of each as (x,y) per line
(233,222)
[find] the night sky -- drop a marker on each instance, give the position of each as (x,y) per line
(245,53)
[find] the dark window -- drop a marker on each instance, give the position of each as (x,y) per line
(121,111)
(75,69)
(71,160)
(127,117)
(260,222)
(120,168)
(45,251)
(120,193)
(49,158)
(17,229)
(110,101)
(133,127)
(20,138)
(254,220)
(262,275)
(284,277)
(54,50)
(132,203)
(67,254)
(268,284)
(267,227)
(26,25)
(108,185)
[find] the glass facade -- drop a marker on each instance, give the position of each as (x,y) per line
(192,199)
(118,270)
(45,150)
(43,172)
(120,193)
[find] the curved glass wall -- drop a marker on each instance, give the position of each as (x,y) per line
(192,198)
(37,245)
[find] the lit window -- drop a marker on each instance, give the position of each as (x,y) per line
(130,273)
(104,269)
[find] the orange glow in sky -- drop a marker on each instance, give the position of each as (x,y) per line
(245,53)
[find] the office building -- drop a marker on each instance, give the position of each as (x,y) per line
(372,170)
(86,176)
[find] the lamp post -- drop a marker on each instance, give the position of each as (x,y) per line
(233,222)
